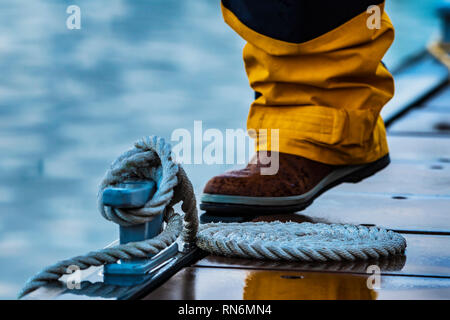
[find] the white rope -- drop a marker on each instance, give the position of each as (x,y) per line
(293,241)
(391,263)
(150,159)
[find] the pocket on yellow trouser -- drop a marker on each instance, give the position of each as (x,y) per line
(316,124)
(337,144)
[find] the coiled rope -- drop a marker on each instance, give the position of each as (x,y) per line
(151,159)
(292,241)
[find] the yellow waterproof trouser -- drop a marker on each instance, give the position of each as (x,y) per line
(324,94)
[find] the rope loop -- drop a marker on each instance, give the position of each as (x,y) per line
(149,159)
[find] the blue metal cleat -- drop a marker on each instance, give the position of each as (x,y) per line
(131,272)
(129,195)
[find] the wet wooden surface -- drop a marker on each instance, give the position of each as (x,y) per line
(411,195)
(419,149)
(390,210)
(414,191)
(422,178)
(249,284)
(423,121)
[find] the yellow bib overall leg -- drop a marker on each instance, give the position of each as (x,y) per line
(316,68)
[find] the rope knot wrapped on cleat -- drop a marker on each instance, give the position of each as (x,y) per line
(151,160)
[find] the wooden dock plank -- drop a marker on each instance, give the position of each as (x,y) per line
(392,211)
(425,178)
(419,148)
(239,284)
(422,122)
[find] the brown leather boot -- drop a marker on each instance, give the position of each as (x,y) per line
(293,188)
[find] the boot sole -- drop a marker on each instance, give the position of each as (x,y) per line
(236,205)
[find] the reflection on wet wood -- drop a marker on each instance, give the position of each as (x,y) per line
(237,284)
(392,264)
